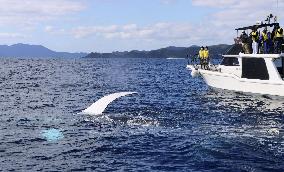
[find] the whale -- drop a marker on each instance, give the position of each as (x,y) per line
(99,106)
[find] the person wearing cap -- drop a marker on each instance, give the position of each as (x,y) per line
(201,56)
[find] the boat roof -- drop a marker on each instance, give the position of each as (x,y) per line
(258,26)
(241,55)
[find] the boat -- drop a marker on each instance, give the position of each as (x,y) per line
(247,73)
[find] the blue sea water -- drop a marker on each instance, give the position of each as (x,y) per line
(174,123)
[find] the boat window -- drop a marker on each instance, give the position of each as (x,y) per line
(230,61)
(278,64)
(235,49)
(254,68)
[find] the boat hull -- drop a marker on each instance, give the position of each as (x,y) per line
(231,82)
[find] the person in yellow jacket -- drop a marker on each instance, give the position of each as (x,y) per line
(201,56)
(206,57)
(264,41)
(278,39)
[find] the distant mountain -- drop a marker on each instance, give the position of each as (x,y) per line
(168,52)
(29,51)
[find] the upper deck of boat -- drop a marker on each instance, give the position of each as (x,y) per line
(236,50)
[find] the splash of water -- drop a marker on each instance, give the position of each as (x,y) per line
(52,135)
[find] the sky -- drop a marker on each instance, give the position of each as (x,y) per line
(123,25)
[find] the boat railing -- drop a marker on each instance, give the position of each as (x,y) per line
(242,55)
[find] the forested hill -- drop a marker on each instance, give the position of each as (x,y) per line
(168,52)
(34,51)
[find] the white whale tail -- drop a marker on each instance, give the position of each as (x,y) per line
(99,106)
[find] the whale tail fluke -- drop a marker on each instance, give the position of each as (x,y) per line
(99,106)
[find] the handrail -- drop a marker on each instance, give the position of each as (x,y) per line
(231,55)
(241,55)
(261,55)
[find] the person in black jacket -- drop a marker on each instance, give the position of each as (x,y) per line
(246,43)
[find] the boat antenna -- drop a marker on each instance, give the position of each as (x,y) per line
(277,10)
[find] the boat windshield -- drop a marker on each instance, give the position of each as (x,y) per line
(278,64)
(230,61)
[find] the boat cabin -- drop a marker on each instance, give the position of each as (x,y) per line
(253,66)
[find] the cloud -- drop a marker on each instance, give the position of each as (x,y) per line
(217,27)
(214,3)
(162,33)
(230,14)
(240,12)
(5,35)
(29,12)
(158,31)
(54,30)
(81,32)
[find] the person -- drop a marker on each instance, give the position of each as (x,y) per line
(201,56)
(278,39)
(194,59)
(206,58)
(270,46)
(255,37)
(273,33)
(264,41)
(245,43)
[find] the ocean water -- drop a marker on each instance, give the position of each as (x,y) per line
(174,123)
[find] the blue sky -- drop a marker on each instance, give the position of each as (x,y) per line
(119,25)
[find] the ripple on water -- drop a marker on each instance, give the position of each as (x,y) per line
(176,123)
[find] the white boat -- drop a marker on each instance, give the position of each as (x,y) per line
(248,73)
